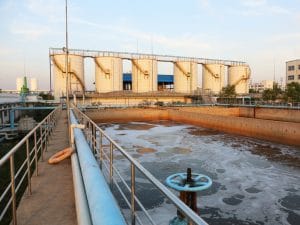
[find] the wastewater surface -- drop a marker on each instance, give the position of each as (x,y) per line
(254,181)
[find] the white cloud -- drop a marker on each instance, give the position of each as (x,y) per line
(204,4)
(44,7)
(286,37)
(254,3)
(8,51)
(29,31)
(262,7)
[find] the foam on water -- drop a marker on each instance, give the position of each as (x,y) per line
(247,188)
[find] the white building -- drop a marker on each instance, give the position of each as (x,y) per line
(33,84)
(19,83)
(293,71)
(262,85)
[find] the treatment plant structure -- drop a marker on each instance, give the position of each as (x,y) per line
(144,79)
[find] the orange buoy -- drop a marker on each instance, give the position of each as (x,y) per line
(61,155)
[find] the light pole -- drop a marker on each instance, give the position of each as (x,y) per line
(67,71)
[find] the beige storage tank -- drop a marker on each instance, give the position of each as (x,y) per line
(239,76)
(76,75)
(19,84)
(213,76)
(108,74)
(33,84)
(144,75)
(185,76)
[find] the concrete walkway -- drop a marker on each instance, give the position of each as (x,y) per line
(52,200)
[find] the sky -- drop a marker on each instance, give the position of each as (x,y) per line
(263,33)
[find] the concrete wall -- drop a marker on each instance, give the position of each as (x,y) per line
(287,115)
(134,100)
(212,110)
(277,131)
(126,115)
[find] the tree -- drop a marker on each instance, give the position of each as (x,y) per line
(292,92)
(272,94)
(46,96)
(277,89)
(269,94)
(228,91)
(251,90)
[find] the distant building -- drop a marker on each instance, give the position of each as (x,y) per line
(19,83)
(262,85)
(293,71)
(33,84)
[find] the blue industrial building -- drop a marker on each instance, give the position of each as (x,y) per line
(164,81)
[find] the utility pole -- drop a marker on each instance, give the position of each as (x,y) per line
(67,71)
(50,74)
(274,73)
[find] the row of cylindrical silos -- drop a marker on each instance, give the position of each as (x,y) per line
(109,75)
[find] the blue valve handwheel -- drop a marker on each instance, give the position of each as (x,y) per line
(177,182)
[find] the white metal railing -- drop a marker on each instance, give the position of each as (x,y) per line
(104,150)
(35,144)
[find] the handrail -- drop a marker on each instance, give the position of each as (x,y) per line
(39,137)
(130,55)
(20,143)
(93,128)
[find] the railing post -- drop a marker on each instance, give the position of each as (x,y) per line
(101,150)
(111,165)
(28,166)
(13,191)
(94,138)
(41,143)
(36,155)
(132,194)
(89,133)
(45,137)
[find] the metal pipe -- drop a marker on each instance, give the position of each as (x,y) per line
(12,118)
(163,189)
(102,205)
(81,203)
(13,193)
